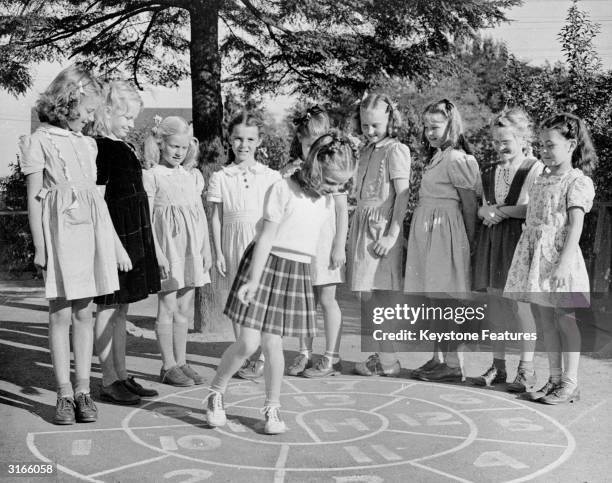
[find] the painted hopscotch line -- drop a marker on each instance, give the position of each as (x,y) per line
(335,469)
(279,474)
(130,465)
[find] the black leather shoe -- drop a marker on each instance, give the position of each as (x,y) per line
(118,393)
(86,410)
(64,411)
(135,388)
(442,373)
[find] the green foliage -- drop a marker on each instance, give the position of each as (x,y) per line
(17,251)
(317,47)
(580,86)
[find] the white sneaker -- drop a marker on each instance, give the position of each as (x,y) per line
(274,424)
(215,412)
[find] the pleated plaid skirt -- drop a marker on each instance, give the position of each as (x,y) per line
(283,303)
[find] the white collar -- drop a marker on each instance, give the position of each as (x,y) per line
(234,170)
(382,143)
(58,131)
(166,171)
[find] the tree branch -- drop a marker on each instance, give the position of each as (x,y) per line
(141,47)
(125,13)
(264,18)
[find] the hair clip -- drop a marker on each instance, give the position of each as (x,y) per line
(80,85)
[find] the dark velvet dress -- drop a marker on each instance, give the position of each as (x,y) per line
(120,171)
(496,243)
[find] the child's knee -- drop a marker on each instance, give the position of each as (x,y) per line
(327,299)
(249,342)
(271,343)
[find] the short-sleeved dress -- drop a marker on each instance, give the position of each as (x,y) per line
(321,271)
(438,255)
(179,223)
(544,232)
(242,192)
(502,186)
(379,165)
(77,227)
(120,171)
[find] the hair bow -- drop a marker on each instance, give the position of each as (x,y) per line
(311,111)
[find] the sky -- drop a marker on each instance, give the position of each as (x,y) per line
(531,35)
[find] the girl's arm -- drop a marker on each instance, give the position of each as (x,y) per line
(384,244)
(207,254)
(260,257)
(338,254)
(217,224)
(514,211)
(34,183)
(562,274)
(162,261)
(469,208)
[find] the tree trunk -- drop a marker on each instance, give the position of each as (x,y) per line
(205,63)
(207,111)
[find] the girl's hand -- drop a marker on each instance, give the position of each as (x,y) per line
(560,279)
(383,245)
(221,264)
(123,260)
(247,292)
(164,266)
(338,257)
(491,215)
(208,263)
(40,260)
(483,212)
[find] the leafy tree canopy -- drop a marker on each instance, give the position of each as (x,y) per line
(313,46)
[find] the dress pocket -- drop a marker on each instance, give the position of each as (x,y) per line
(77,214)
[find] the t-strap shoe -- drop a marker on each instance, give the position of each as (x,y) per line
(373,367)
(324,367)
(492,376)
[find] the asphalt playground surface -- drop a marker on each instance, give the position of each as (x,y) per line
(342,429)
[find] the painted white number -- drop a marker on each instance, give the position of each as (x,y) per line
(196,475)
(497,458)
(433,418)
(519,424)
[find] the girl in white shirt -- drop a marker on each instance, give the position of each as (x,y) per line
(272,294)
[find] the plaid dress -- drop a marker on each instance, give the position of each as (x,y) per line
(284,302)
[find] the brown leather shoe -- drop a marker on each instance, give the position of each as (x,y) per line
(373,367)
